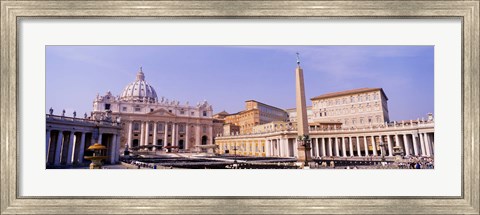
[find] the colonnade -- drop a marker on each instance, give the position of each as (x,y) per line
(412,144)
(344,145)
(67,147)
(158,134)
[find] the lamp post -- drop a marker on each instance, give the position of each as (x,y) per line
(235,153)
(304,141)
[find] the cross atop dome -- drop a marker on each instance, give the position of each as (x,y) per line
(140,75)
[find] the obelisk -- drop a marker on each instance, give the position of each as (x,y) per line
(302,120)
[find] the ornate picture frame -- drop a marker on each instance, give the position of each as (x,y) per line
(13,11)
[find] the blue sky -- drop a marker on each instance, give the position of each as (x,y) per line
(226,76)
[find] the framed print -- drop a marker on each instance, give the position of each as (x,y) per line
(328,107)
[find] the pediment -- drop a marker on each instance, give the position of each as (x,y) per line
(161,112)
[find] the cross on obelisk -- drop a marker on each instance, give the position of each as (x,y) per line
(302,120)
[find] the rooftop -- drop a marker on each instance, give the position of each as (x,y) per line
(348,92)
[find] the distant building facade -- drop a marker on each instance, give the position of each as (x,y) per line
(150,123)
(292,114)
(353,108)
(255,113)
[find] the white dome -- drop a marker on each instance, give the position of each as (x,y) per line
(139,90)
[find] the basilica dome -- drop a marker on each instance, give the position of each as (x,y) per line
(139,90)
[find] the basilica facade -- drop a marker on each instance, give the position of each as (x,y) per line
(152,123)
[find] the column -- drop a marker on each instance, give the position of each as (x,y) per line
(365,144)
(295,146)
(113,147)
(324,152)
(390,147)
(177,134)
(100,137)
(58,148)
(267,148)
(273,151)
(359,151)
(280,150)
(337,146)
(285,145)
(81,151)
(210,134)
(317,141)
(397,141)
(47,144)
(344,148)
(330,150)
(430,144)
(351,146)
(142,133)
(312,147)
(154,141)
(70,148)
(165,134)
(405,143)
(197,136)
(427,145)
(374,146)
(187,135)
(422,144)
(129,139)
(117,149)
(415,145)
(147,133)
(174,133)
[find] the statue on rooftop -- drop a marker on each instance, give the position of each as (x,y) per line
(51,110)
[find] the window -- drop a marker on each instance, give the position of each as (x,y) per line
(150,126)
(361,120)
(151,109)
(170,111)
(192,113)
(107,106)
(136,126)
(160,127)
(204,113)
(137,109)
(182,112)
(124,108)
(353,121)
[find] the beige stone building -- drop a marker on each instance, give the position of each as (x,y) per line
(255,113)
(349,124)
(150,123)
(356,108)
